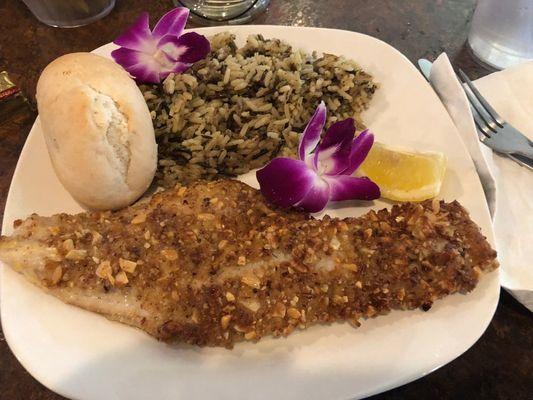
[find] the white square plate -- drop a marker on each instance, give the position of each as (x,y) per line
(83,355)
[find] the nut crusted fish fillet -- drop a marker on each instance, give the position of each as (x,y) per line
(213,263)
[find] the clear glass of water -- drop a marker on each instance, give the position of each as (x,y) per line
(223,12)
(69,13)
(501,34)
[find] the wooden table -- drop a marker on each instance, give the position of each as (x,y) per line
(498,366)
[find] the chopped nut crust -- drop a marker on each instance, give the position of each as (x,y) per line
(214,275)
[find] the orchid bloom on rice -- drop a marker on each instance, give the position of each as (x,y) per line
(324,168)
(150,56)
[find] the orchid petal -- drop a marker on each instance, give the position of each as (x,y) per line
(197,47)
(360,147)
(316,199)
(332,154)
(311,135)
(187,49)
(172,23)
(140,65)
(138,36)
(344,187)
(285,181)
(177,67)
(169,44)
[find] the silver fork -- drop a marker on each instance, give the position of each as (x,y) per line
(494,132)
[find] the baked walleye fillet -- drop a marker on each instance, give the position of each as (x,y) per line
(213,263)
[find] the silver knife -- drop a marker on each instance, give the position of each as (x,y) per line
(425,67)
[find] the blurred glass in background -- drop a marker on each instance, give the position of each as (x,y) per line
(501,34)
(69,13)
(223,12)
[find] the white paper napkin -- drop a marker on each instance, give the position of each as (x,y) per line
(508,186)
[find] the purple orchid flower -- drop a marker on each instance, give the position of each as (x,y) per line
(323,174)
(150,56)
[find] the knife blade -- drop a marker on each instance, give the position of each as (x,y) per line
(425,67)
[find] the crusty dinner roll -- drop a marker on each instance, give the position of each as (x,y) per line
(97,129)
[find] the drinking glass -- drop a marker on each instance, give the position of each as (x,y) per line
(223,12)
(501,34)
(69,13)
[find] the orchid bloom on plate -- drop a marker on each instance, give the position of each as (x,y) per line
(150,56)
(323,174)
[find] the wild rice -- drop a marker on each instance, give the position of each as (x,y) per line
(240,107)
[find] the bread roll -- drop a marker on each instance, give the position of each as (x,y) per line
(98,130)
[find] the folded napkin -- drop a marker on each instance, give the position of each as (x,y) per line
(508,186)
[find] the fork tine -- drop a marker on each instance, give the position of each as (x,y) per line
(491,111)
(480,125)
(480,135)
(484,122)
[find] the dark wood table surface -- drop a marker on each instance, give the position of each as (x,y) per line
(498,366)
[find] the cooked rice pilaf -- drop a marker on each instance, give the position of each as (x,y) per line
(240,107)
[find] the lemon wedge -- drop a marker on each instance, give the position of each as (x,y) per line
(404,175)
